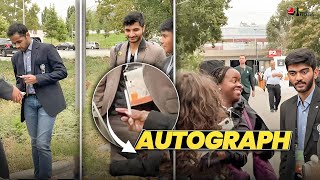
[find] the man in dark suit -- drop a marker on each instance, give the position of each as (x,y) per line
(299,114)
(166,40)
(7,92)
(38,68)
(247,78)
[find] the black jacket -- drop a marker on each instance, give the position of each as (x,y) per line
(48,90)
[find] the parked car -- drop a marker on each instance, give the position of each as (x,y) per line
(36,39)
(92,45)
(66,46)
(6,47)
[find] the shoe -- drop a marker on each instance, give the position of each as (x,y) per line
(276,109)
(271,110)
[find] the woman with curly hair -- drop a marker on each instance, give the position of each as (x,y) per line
(244,117)
(200,109)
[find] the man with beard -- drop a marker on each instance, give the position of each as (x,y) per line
(136,49)
(38,68)
(299,114)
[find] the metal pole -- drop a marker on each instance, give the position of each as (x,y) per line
(80,41)
(23,14)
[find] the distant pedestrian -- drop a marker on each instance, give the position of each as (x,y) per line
(247,78)
(272,77)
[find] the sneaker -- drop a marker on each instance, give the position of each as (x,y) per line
(272,110)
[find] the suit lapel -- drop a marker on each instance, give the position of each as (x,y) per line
(313,111)
(121,59)
(142,50)
(34,53)
(291,120)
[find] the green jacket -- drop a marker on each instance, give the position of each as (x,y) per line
(247,78)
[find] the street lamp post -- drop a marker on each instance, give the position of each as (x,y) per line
(255,42)
(23,14)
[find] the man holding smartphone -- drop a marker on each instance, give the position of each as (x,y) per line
(38,68)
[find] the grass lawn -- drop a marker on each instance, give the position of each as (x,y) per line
(105,42)
(65,139)
(95,162)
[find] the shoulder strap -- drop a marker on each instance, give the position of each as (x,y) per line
(246,116)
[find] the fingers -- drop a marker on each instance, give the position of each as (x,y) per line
(124,118)
(130,121)
(122,110)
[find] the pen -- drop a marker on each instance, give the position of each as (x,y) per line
(128,101)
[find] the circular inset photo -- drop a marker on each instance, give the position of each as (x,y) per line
(132,97)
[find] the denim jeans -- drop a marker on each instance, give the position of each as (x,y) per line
(39,125)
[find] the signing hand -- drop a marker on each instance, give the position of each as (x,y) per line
(135,120)
(29,79)
(16,95)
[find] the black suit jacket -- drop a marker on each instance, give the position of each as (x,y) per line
(48,90)
(288,122)
(5,93)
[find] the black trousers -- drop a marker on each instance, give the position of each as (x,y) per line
(4,170)
(274,95)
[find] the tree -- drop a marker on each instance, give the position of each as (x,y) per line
(155,13)
(44,15)
(12,10)
(62,31)
(3,27)
(111,13)
(304,31)
(53,25)
(71,20)
(198,22)
(291,32)
(32,21)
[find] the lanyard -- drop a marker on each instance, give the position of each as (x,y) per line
(170,66)
(129,56)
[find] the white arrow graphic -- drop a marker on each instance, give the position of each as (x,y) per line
(126,147)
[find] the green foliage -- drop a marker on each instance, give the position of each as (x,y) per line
(198,22)
(62,31)
(71,21)
(3,27)
(111,13)
(155,13)
(12,11)
(291,32)
(54,26)
(190,62)
(32,21)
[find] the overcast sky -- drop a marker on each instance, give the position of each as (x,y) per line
(61,6)
(249,11)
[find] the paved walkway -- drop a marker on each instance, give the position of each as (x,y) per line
(60,170)
(260,103)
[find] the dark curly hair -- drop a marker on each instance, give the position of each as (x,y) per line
(200,109)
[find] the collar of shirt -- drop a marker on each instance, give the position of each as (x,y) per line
(30,46)
(307,101)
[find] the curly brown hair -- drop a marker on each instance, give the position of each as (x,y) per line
(200,109)
(200,104)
